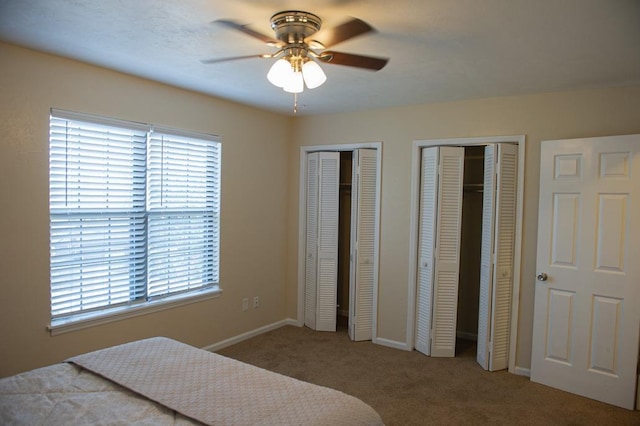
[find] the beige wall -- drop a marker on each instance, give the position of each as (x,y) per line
(259,194)
(538,117)
(253,221)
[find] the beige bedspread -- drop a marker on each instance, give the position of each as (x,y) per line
(220,391)
(65,394)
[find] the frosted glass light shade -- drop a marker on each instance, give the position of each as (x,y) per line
(295,83)
(280,73)
(313,74)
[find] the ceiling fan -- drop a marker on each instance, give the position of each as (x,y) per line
(301,45)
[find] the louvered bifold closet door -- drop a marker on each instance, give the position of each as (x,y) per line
(426,241)
(486,257)
(311,248)
(498,243)
(447,253)
(504,248)
(327,281)
(363,242)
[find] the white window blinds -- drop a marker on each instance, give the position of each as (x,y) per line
(184,204)
(134,214)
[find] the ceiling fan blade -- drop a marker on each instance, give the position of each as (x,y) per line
(351,60)
(245,29)
(332,36)
(233,58)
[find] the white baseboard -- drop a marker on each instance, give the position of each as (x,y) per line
(249,334)
(392,344)
(522,371)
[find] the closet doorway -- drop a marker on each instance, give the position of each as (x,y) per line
(465,233)
(338,238)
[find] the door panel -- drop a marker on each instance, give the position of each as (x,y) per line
(586,321)
(611,239)
(566,217)
(559,326)
(606,318)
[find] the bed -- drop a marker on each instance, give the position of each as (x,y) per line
(160,381)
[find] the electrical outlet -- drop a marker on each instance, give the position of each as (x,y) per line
(245,304)
(256,302)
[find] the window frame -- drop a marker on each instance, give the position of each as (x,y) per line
(109,313)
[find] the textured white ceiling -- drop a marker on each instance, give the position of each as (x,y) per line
(439,50)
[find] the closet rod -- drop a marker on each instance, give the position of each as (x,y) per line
(473,187)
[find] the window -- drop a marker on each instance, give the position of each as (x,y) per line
(134,214)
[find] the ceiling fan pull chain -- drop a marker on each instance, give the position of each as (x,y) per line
(295,103)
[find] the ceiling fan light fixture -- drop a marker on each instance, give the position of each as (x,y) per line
(295,84)
(301,51)
(313,74)
(280,73)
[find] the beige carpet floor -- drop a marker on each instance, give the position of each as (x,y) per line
(408,388)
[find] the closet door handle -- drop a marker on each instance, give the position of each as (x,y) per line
(542,276)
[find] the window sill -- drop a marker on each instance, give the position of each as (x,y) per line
(94,319)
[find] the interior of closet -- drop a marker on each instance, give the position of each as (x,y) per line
(470,243)
(344,237)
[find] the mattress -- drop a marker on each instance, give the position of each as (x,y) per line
(160,381)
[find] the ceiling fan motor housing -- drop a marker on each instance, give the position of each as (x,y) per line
(293,26)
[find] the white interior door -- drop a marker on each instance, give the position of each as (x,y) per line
(497,258)
(439,248)
(586,318)
(363,244)
(321,262)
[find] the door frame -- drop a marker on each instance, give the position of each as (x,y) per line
(414,219)
(302,224)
